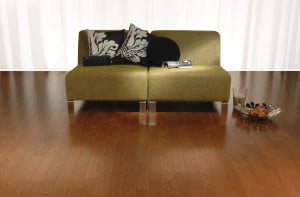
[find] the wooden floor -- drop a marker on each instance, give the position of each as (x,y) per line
(105,149)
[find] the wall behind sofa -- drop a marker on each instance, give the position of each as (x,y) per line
(256,34)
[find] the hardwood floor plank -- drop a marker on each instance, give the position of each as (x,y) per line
(102,149)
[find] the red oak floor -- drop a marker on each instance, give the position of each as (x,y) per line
(104,149)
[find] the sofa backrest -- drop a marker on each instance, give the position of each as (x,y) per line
(201,47)
(83,46)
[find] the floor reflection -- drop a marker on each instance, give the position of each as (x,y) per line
(197,125)
(281,89)
(253,125)
(145,118)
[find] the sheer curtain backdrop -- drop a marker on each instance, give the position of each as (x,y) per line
(255,34)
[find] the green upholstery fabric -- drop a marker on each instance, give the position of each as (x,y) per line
(83,46)
(200,83)
(206,81)
(202,47)
(112,83)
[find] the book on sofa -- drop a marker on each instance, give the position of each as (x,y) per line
(177,64)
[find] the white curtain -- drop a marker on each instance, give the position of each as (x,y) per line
(255,34)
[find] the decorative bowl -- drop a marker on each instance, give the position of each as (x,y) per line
(256,111)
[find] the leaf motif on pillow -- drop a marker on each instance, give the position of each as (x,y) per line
(141,44)
(100,46)
(135,46)
(107,47)
(135,51)
(98,37)
(140,33)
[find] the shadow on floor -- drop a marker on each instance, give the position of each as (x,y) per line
(133,106)
(185,107)
(110,106)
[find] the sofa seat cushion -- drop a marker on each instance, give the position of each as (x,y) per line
(199,83)
(112,83)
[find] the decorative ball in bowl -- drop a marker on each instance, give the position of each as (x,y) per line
(258,111)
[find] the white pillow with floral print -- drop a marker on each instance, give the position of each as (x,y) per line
(134,48)
(104,43)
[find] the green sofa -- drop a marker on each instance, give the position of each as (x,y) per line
(205,81)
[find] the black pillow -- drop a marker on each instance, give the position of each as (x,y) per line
(134,48)
(97,60)
(104,43)
(162,49)
(104,60)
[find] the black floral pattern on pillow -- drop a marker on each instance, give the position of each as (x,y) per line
(134,48)
(104,43)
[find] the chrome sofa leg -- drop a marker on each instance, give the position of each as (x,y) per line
(143,112)
(147,113)
(152,113)
(224,107)
(221,107)
(151,106)
(71,106)
(143,106)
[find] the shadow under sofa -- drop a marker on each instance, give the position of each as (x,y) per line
(205,81)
